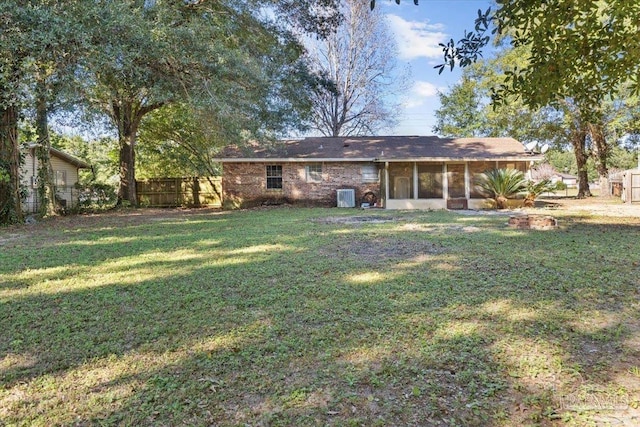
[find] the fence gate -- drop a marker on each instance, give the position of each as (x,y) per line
(173,192)
(633,185)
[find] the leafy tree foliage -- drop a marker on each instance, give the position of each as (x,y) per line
(578,49)
(134,72)
(564,125)
(466,109)
(461,110)
(580,52)
(226,56)
(619,159)
(179,141)
(622,159)
(40,44)
(53,70)
(101,154)
(127,59)
(12,65)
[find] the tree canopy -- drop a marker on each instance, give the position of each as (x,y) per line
(465,110)
(582,50)
(239,62)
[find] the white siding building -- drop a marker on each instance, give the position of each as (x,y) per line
(65,174)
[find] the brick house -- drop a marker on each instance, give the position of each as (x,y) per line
(394,172)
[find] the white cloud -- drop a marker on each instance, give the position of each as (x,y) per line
(425,89)
(417,39)
(420,91)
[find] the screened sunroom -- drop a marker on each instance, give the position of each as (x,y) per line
(439,185)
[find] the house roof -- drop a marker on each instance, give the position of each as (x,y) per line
(81,164)
(565,175)
(537,174)
(69,159)
(380,148)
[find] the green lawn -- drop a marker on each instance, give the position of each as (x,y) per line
(315,317)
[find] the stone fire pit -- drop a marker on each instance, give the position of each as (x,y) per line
(534,222)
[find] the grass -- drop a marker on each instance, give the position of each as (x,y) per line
(314,317)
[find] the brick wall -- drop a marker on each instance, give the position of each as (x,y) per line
(245,184)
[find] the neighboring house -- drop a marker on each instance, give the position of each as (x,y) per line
(570,181)
(554,176)
(396,172)
(65,174)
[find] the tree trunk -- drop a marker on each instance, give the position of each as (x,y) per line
(127,116)
(579,147)
(10,200)
(46,188)
(127,121)
(196,192)
(501,202)
(127,190)
(600,154)
(529,201)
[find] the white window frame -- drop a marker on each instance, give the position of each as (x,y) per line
(60,178)
(314,172)
(369,173)
(274,177)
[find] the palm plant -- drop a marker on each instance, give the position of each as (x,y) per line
(501,184)
(535,189)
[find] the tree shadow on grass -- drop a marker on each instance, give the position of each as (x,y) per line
(492,327)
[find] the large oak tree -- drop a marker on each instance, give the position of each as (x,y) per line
(230,58)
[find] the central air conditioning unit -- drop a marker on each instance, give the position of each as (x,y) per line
(346,198)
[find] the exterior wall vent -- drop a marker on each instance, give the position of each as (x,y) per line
(346,198)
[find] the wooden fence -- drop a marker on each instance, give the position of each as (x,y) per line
(172,192)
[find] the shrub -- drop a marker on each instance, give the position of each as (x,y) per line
(96,196)
(535,189)
(501,184)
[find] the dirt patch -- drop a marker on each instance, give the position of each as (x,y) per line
(381,250)
(54,228)
(368,219)
(9,238)
(601,206)
(121,216)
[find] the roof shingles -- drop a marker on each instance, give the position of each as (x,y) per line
(387,148)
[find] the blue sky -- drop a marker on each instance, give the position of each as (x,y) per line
(418,30)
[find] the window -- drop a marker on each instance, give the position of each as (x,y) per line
(314,172)
(430,181)
(274,177)
(369,173)
(60,178)
(521,166)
